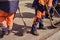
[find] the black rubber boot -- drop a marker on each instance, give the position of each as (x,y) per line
(2,33)
(5,30)
(41,26)
(9,31)
(34,31)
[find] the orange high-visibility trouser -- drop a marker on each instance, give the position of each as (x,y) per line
(8,17)
(39,15)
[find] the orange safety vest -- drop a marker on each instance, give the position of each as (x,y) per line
(43,3)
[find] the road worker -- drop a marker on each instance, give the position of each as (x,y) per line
(39,6)
(8,9)
(54,3)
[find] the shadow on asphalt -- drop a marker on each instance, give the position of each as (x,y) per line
(25,15)
(19,29)
(51,27)
(56,26)
(29,5)
(58,23)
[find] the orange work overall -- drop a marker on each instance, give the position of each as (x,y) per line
(40,14)
(8,17)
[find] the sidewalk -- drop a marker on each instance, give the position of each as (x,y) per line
(28,14)
(56,36)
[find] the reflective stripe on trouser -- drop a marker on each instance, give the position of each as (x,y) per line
(38,18)
(8,17)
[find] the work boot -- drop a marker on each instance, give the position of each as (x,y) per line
(5,30)
(9,31)
(1,34)
(41,26)
(34,31)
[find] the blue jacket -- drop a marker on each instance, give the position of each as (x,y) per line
(35,3)
(9,6)
(38,6)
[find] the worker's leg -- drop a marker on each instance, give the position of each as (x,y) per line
(3,15)
(35,22)
(10,19)
(41,22)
